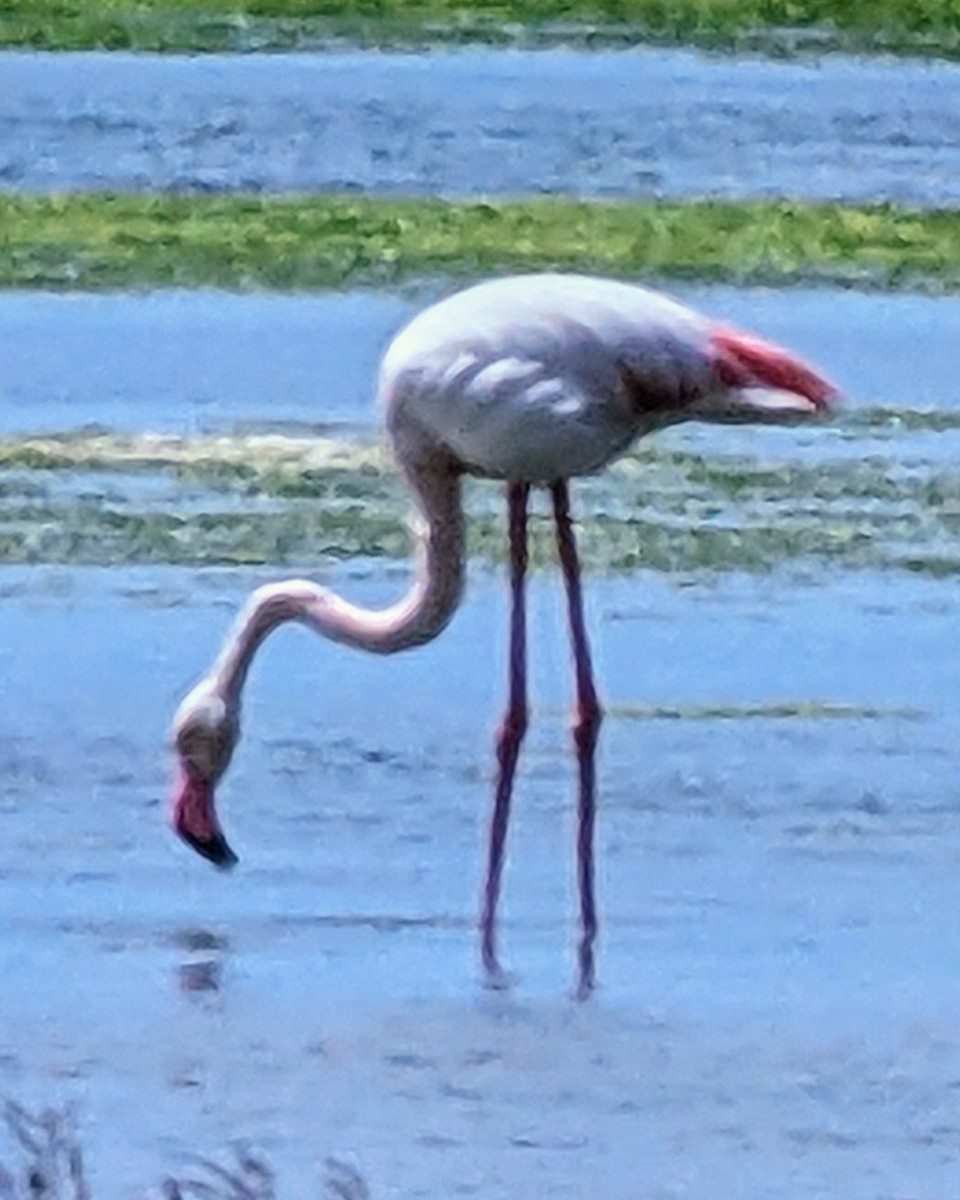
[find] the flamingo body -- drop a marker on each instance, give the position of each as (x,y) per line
(541,377)
(532,380)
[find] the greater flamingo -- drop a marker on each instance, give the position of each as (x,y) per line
(530,379)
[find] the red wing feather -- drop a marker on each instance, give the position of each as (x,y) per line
(745,361)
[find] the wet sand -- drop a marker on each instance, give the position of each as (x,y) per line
(639,123)
(779,956)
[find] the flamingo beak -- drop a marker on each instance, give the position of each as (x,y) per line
(195,819)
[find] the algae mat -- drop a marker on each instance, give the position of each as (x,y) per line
(256,455)
(775,26)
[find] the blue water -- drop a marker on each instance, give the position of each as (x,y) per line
(779,954)
(186,362)
(636,123)
(779,950)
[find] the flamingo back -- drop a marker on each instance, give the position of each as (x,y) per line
(540,377)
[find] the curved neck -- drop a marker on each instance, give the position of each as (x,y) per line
(415,619)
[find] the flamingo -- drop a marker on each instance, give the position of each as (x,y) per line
(532,380)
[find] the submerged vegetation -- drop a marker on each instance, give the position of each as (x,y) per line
(910,26)
(782,710)
(275,499)
(41,1159)
(101,240)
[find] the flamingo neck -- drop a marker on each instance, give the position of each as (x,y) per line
(415,619)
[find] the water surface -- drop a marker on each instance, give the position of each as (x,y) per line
(186,362)
(779,956)
(779,877)
(636,124)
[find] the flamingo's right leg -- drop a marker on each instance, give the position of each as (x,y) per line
(586,729)
(512,729)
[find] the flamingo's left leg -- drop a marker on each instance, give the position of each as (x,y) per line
(586,729)
(512,729)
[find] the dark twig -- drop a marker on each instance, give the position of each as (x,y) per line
(52,1162)
(343,1182)
(50,1166)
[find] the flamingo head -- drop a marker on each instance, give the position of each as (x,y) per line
(205,731)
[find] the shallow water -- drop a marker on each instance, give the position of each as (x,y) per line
(636,123)
(185,362)
(779,955)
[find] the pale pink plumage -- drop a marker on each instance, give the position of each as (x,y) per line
(530,379)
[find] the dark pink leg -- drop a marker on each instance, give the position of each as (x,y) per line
(585,731)
(511,733)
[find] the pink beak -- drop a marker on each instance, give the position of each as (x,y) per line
(195,819)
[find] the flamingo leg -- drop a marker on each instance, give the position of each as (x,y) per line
(512,729)
(586,729)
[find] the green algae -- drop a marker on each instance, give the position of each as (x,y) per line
(98,241)
(930,27)
(279,499)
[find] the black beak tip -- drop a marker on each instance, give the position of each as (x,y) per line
(214,849)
